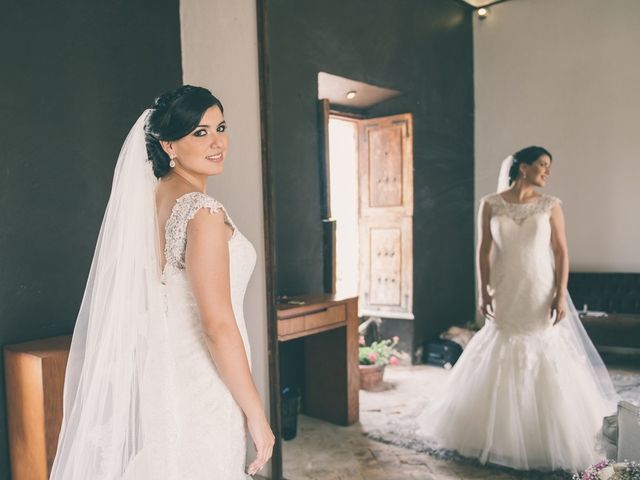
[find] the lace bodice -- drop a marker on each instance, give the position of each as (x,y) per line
(519,212)
(176,229)
(522,263)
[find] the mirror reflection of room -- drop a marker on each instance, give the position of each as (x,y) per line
(475,88)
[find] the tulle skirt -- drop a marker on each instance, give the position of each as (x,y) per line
(525,401)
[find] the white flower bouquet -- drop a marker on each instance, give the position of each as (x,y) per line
(610,470)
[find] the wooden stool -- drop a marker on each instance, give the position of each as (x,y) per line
(34,373)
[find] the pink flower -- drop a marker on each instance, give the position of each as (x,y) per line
(396,339)
(361,340)
(373,356)
(394,360)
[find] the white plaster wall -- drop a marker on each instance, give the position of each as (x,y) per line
(565,74)
(220,52)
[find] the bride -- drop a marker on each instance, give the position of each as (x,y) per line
(158,382)
(529,391)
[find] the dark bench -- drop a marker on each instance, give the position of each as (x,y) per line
(617,294)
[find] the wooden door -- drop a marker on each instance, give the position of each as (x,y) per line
(385,169)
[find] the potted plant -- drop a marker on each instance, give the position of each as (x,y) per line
(373,360)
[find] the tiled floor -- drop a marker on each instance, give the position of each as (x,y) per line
(322,451)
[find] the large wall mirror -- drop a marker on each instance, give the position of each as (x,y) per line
(384,123)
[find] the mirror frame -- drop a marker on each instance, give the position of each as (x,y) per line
(269,237)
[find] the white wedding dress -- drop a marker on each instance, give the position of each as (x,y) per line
(523,393)
(193,428)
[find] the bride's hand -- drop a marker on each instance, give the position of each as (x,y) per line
(486,305)
(263,441)
(558,308)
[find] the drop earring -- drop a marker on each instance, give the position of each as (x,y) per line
(172,162)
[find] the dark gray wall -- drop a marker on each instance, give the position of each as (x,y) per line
(422,48)
(74,77)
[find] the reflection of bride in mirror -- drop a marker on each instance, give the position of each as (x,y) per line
(529,391)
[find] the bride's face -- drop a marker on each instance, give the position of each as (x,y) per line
(203,151)
(539,171)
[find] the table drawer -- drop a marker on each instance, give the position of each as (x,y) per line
(325,319)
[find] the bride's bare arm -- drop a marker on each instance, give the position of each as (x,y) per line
(561,255)
(485,243)
(207,265)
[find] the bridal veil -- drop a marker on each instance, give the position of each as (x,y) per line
(102,430)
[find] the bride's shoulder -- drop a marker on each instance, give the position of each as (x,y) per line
(491,199)
(189,204)
(549,201)
(193,201)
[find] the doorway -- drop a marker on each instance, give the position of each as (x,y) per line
(343,200)
(369,206)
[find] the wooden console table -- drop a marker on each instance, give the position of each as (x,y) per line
(329,326)
(34,373)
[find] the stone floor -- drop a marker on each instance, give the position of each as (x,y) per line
(327,452)
(323,451)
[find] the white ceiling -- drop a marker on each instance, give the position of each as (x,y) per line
(335,88)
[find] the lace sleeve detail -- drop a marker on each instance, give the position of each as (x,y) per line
(492,200)
(549,202)
(184,210)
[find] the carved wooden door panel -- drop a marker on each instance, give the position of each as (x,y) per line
(385,168)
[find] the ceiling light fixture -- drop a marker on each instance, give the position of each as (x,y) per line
(482,13)
(482,3)
(351,94)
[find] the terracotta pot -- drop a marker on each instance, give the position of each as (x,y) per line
(371,376)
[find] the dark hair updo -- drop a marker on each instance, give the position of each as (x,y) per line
(174,115)
(528,156)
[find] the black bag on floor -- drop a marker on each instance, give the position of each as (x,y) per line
(443,353)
